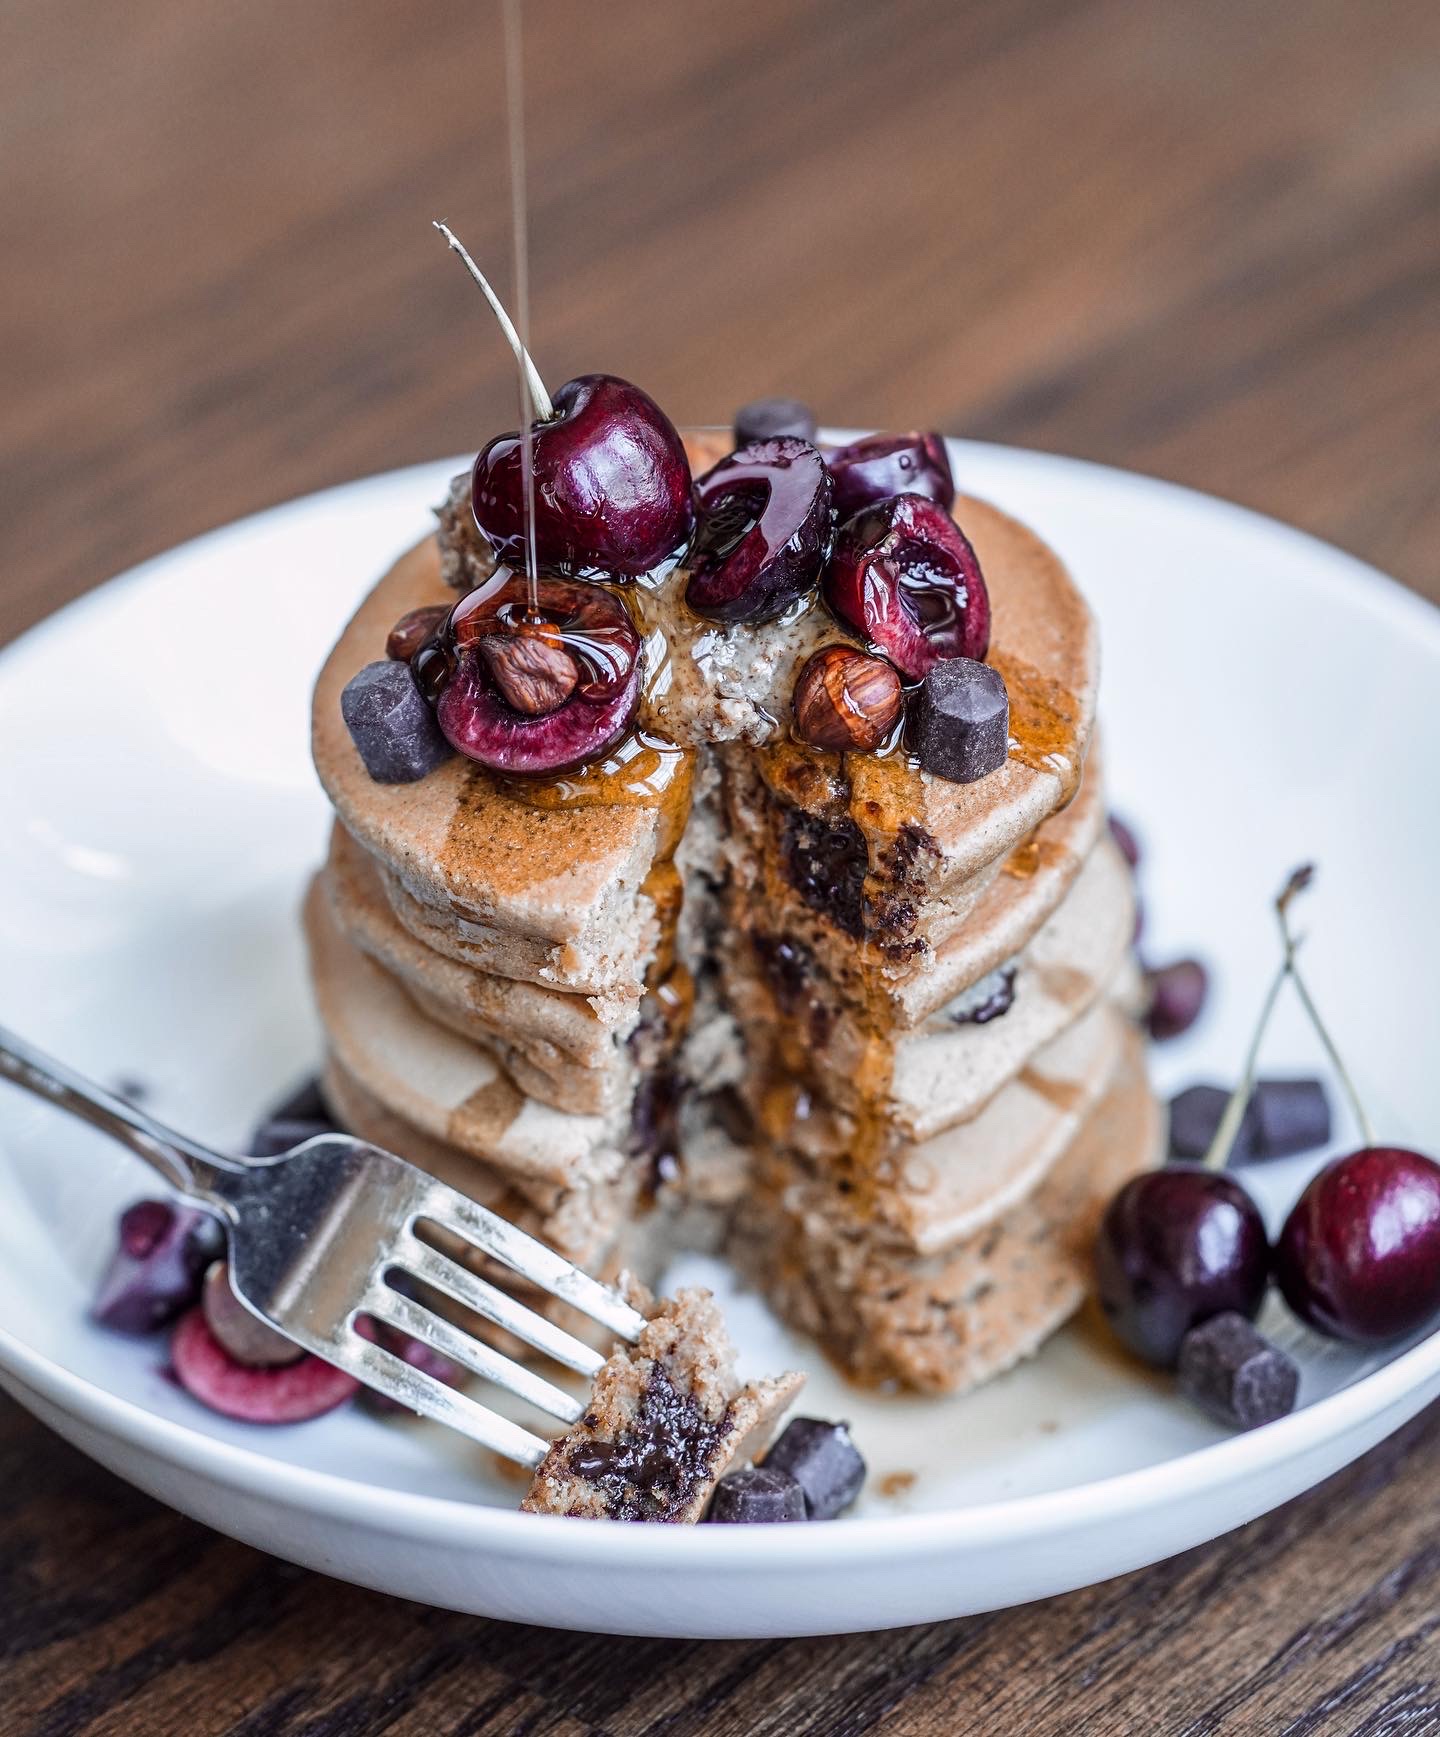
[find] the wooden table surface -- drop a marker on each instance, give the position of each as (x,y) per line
(1199,241)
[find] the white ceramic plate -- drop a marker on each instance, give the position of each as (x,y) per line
(1266,699)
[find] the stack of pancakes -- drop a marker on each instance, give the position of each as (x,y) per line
(867,1027)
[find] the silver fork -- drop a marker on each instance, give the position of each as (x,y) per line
(313,1234)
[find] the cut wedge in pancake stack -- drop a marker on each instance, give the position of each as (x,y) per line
(867,1027)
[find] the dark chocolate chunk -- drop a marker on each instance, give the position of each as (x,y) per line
(1233,1372)
(1195,1115)
(1291,1115)
(391,725)
(767,418)
(960,720)
(1283,1117)
(1177,995)
(299,1116)
(756,1496)
(824,1462)
(827,862)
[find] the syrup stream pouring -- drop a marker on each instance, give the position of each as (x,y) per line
(520,241)
(314,1235)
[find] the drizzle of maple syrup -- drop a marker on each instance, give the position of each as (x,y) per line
(520,232)
(887,790)
(1044,721)
(881,793)
(643,770)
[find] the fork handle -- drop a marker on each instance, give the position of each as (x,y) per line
(190,1168)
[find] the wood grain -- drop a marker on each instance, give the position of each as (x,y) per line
(1199,241)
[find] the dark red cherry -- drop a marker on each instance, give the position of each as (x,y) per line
(904,576)
(871,470)
(1177,997)
(158,1266)
(612,485)
(1177,1246)
(763,533)
(287,1393)
(533,695)
(1359,1256)
(415,1352)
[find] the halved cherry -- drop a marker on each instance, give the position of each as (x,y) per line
(288,1393)
(158,1266)
(764,531)
(542,691)
(903,575)
(871,470)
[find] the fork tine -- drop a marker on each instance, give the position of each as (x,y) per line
(433,1330)
(416,1391)
(491,1304)
(531,1259)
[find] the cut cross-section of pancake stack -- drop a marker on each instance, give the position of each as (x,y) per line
(866,1028)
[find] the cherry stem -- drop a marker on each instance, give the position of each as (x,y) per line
(539,397)
(1224,1137)
(1239,1099)
(1297,882)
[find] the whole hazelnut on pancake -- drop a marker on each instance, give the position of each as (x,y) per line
(846,700)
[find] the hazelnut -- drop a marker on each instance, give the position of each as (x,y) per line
(531,667)
(413,629)
(845,699)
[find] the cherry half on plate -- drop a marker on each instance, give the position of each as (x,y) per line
(763,532)
(535,694)
(285,1393)
(612,485)
(904,577)
(871,470)
(1359,1256)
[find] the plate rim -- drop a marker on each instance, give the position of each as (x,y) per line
(475,1524)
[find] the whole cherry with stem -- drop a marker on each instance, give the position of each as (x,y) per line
(1358,1257)
(1179,1245)
(610,479)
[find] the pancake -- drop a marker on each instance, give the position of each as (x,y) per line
(438,1082)
(550,895)
(559,895)
(584,1223)
(1032,881)
(525,986)
(945,1323)
(923,1080)
(566,1050)
(926,1196)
